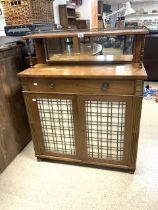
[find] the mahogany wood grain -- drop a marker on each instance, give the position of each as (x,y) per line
(89,87)
(88,162)
(75,41)
(89,59)
(40,52)
(126,71)
(80,86)
(137,106)
(137,48)
(31,117)
(109,32)
(39,39)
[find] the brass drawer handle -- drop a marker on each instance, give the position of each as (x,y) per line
(105,86)
(51,85)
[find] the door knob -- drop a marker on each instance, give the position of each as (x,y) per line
(105,86)
(51,85)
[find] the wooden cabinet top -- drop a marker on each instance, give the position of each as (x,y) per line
(89,33)
(8,43)
(126,71)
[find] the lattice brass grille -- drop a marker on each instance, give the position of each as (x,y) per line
(57,125)
(105,122)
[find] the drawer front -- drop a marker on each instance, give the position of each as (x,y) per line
(91,86)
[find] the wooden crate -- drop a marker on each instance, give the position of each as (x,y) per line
(28,11)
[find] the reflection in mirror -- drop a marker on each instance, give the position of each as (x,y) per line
(62,48)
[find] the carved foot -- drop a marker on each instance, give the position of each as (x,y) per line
(131,171)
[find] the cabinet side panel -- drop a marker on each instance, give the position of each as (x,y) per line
(31,116)
(137,106)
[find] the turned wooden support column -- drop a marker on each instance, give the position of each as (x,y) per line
(138,48)
(76,44)
(29,52)
(40,51)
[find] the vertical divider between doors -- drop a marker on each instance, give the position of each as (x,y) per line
(80,129)
(128,127)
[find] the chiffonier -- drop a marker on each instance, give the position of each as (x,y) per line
(85,107)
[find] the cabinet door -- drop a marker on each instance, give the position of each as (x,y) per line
(90,129)
(107,128)
(53,123)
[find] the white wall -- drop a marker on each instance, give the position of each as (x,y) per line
(2,22)
(84,10)
(85,13)
(148,6)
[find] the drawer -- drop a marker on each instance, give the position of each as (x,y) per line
(92,86)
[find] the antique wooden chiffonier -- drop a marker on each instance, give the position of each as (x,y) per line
(84,106)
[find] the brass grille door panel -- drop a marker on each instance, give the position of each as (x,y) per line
(105,122)
(57,125)
(107,128)
(54,124)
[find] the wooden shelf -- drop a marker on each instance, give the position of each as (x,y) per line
(89,33)
(71,17)
(126,71)
(149,14)
(89,59)
(70,7)
(67,16)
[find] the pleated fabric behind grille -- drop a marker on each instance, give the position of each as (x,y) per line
(57,125)
(105,123)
